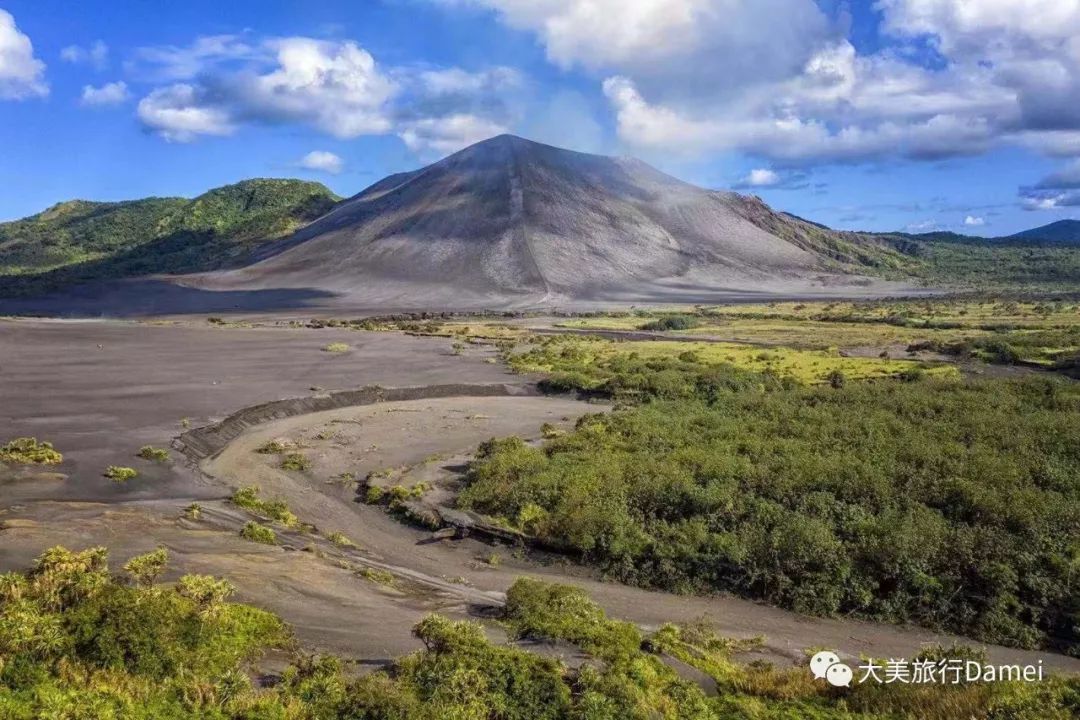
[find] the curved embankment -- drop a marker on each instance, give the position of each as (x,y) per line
(203,442)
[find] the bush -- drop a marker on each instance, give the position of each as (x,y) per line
(28,451)
(295,461)
(77,642)
(255,532)
(340,540)
(248,498)
(672,322)
(148,452)
(337,347)
(120,474)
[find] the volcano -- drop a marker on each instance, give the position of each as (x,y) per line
(511,222)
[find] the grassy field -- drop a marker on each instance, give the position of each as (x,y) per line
(1043,333)
(588,354)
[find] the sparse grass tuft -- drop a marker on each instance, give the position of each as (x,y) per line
(340,540)
(296,461)
(375,575)
(337,347)
(273,447)
(248,498)
(255,532)
(149,452)
(119,474)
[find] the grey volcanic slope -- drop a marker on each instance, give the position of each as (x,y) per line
(511,218)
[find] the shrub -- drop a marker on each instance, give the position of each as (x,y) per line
(120,474)
(148,452)
(145,569)
(28,451)
(255,532)
(248,498)
(672,322)
(337,347)
(295,461)
(273,447)
(340,540)
(377,575)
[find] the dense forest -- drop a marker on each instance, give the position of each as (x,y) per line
(79,642)
(949,503)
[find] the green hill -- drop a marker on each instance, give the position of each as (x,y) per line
(81,240)
(1063,231)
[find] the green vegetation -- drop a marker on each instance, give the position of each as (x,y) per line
(1043,332)
(680,369)
(337,347)
(273,447)
(340,539)
(149,452)
(78,240)
(987,265)
(378,576)
(295,461)
(947,503)
(255,532)
(76,641)
(120,474)
(672,322)
(28,451)
(248,498)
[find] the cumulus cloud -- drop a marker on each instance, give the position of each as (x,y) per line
(447,134)
(974,221)
(1057,190)
(761,177)
(21,74)
(780,79)
(108,94)
(97,54)
(322,161)
(180,113)
(335,87)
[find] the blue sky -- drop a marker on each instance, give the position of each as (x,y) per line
(887,114)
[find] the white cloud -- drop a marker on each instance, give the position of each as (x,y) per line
(173,62)
(97,54)
(336,87)
(108,94)
(973,221)
(761,177)
(21,74)
(179,114)
(447,134)
(779,78)
(923,226)
(322,161)
(451,81)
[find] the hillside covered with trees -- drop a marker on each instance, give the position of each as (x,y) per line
(79,240)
